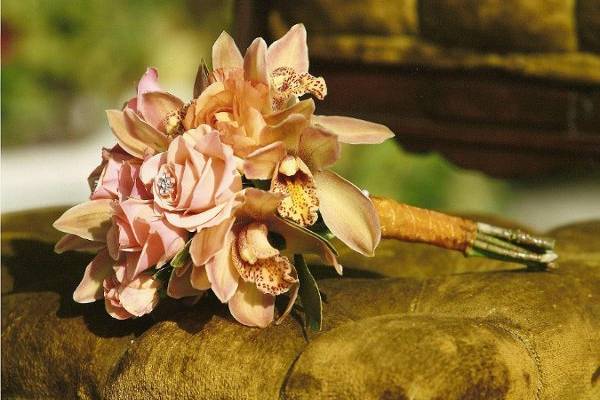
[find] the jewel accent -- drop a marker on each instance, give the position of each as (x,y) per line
(286,82)
(165,184)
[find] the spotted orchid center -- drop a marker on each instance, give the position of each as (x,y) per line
(294,179)
(173,122)
(287,83)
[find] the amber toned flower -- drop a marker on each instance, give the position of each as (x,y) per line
(243,268)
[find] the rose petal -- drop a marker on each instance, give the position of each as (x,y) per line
(354,131)
(225,53)
(290,50)
(348,213)
(140,296)
(151,166)
(89,220)
(90,288)
(251,307)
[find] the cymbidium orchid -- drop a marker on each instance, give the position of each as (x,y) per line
(240,264)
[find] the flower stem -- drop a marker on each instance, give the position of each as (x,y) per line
(477,239)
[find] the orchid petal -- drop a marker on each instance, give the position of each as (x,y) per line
(255,62)
(222,273)
(354,131)
(199,278)
(258,204)
(251,307)
(148,82)
(348,213)
(157,106)
(318,148)
(288,131)
(180,283)
(261,163)
(90,220)
(209,241)
(225,53)
(290,50)
(90,288)
(71,242)
(304,107)
(130,143)
(146,133)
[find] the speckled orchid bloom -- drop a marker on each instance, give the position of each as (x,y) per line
(149,121)
(240,264)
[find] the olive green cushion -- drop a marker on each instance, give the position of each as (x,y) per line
(413,322)
(551,39)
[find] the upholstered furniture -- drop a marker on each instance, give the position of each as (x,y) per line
(415,322)
(508,87)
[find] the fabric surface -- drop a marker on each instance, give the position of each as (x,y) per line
(413,322)
(557,39)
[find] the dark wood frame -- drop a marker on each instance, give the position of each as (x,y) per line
(500,123)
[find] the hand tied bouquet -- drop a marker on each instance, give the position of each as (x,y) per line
(220,192)
(227,192)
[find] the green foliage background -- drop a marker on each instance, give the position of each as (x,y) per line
(65,61)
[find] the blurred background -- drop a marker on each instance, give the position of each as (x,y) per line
(496,104)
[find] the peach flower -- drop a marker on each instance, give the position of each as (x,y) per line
(195,181)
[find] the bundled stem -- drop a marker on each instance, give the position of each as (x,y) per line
(413,224)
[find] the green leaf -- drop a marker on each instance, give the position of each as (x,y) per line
(183,257)
(309,295)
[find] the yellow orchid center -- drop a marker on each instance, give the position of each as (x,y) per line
(286,83)
(173,122)
(294,179)
(257,261)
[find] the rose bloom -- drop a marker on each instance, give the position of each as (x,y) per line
(195,181)
(117,177)
(125,299)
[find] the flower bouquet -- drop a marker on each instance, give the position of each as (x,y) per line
(228,191)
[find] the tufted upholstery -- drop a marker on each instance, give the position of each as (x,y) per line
(413,322)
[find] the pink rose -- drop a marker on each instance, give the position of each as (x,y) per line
(143,235)
(117,177)
(125,299)
(195,181)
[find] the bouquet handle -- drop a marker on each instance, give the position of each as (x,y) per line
(474,239)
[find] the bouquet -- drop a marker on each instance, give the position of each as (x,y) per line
(228,191)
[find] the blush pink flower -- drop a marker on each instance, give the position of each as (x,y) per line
(145,235)
(236,260)
(195,181)
(126,299)
(117,177)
